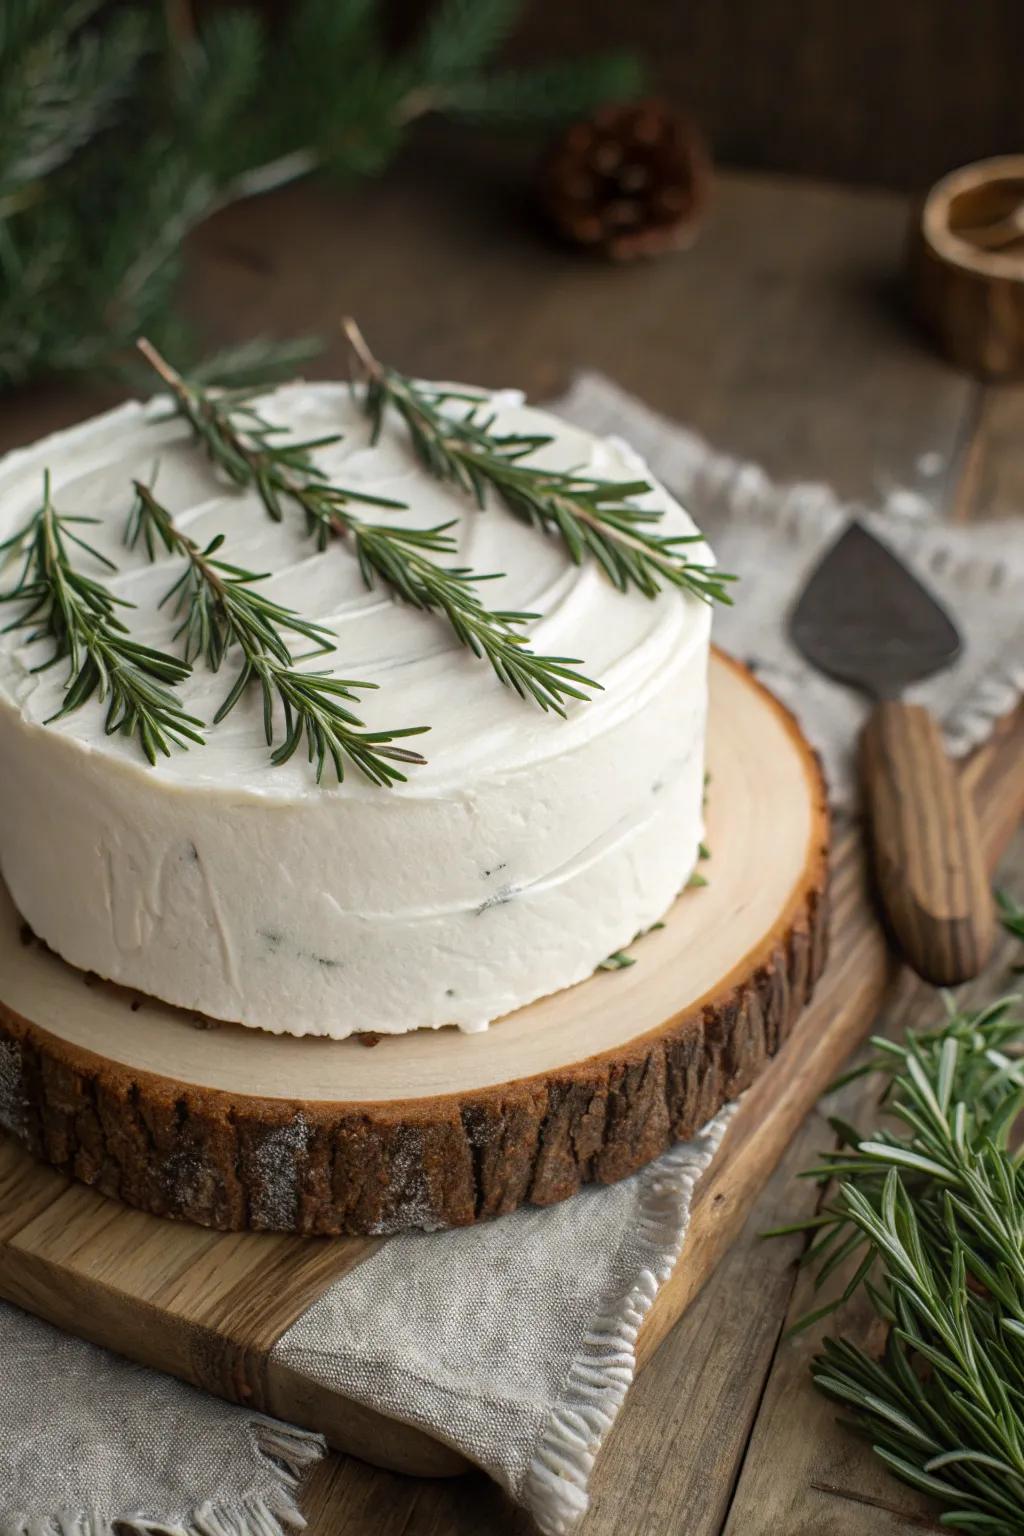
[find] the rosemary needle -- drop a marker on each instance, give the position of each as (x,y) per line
(253,452)
(78,614)
(928,1211)
(221,608)
(591,516)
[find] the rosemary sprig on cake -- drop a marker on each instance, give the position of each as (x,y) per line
(591,516)
(252,452)
(79,615)
(221,609)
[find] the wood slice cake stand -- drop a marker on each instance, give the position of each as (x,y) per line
(235,1128)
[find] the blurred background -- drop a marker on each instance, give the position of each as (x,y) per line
(712,201)
(885,93)
(881,93)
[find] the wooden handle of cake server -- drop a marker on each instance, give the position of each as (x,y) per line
(926,845)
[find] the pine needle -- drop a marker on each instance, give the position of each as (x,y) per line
(1011,915)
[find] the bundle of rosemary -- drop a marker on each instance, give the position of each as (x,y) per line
(928,1211)
(126,125)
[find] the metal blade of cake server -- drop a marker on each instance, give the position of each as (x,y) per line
(865,620)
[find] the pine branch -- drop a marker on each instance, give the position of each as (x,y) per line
(250,452)
(591,517)
(58,85)
(216,80)
(1011,915)
(78,614)
(461,37)
(103,107)
(451,75)
(932,1215)
(220,609)
(547,93)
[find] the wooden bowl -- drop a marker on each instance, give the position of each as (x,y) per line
(967,266)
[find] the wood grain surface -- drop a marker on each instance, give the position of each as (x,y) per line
(926,846)
(967,266)
(783,337)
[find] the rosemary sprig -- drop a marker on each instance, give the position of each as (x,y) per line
(931,1214)
(221,609)
(594,517)
(78,614)
(401,559)
(253,452)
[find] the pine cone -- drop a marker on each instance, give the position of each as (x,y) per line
(631,181)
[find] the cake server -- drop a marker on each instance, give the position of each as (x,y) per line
(864,620)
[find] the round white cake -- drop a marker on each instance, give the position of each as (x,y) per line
(525,851)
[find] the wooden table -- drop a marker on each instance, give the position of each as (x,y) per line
(783,337)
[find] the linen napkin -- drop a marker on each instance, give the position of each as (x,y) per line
(773,536)
(513,1341)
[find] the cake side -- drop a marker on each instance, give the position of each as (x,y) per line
(232,1128)
(526,849)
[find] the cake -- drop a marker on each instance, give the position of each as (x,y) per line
(525,850)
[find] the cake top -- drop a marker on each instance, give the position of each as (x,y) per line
(423,675)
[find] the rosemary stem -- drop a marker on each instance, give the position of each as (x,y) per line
(79,615)
(222,609)
(251,453)
(160,363)
(357,341)
(592,517)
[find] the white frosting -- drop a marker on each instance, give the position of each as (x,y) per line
(524,852)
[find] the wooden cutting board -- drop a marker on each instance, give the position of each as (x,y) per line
(209,1306)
